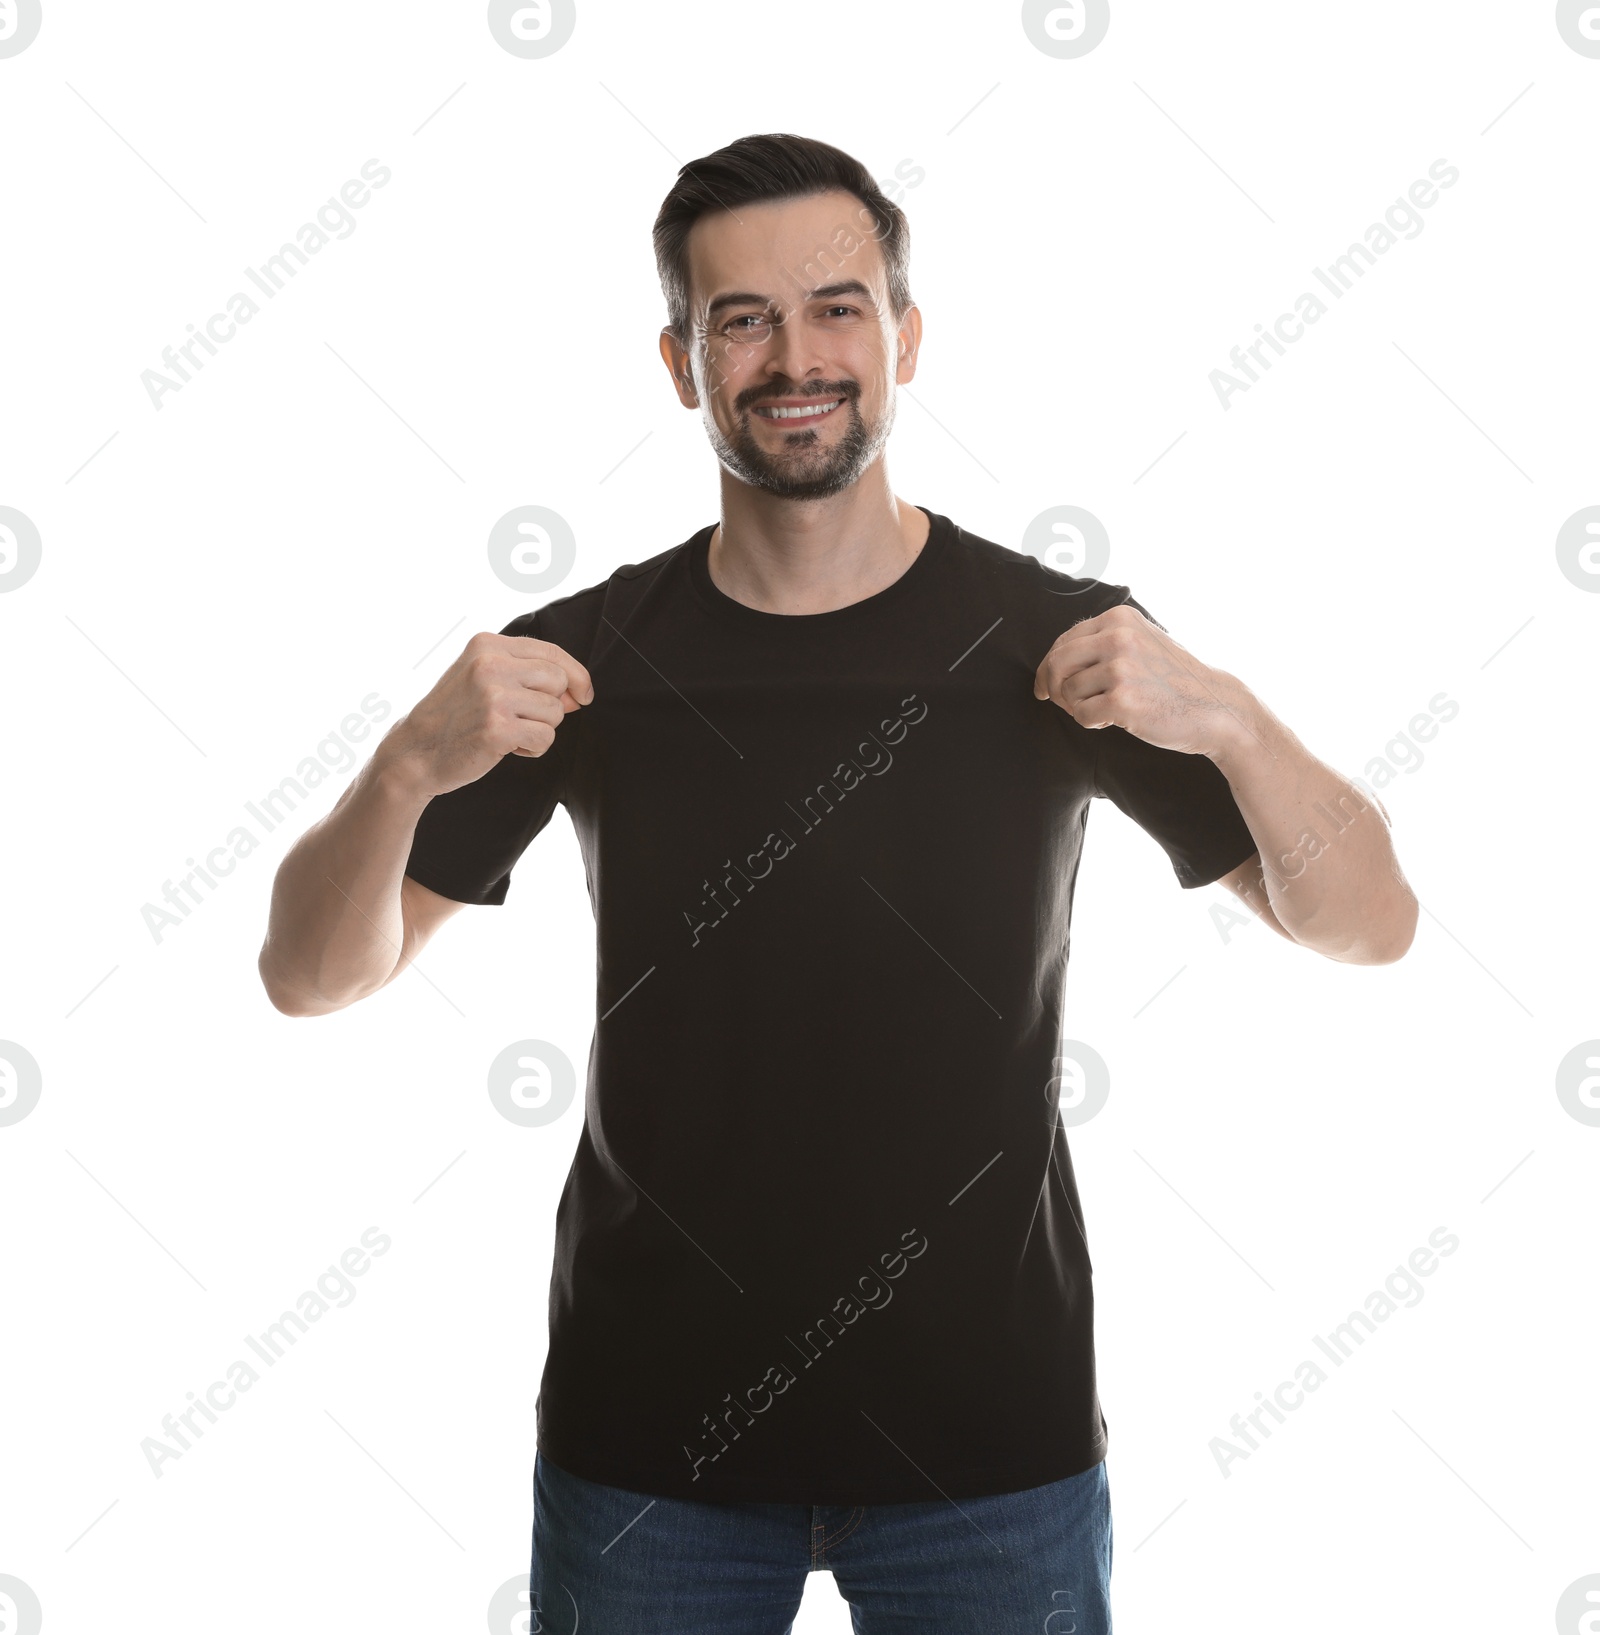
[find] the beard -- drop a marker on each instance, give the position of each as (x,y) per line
(799,465)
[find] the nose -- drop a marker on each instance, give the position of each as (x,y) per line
(794,349)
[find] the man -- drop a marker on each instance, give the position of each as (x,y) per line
(822,1295)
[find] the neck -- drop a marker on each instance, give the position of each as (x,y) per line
(812,556)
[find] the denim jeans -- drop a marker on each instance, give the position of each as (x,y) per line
(608,1561)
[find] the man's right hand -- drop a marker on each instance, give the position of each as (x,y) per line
(505,695)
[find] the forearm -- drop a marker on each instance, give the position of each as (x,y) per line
(335,929)
(1328,866)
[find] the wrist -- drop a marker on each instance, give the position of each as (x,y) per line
(396,773)
(1243,727)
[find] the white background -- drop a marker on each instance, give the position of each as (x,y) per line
(223,581)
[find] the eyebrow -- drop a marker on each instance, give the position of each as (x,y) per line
(740,298)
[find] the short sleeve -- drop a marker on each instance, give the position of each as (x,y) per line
(468,839)
(1182,801)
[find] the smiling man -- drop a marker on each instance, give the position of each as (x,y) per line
(822,1294)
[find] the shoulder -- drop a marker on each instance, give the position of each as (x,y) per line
(574,621)
(1017,577)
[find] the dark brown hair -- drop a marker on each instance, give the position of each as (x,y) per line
(776,166)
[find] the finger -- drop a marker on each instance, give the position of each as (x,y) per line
(576,680)
(541,677)
(536,704)
(1068,683)
(1080,648)
(533,738)
(1085,700)
(1094,711)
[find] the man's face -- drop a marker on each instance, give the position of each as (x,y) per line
(789,310)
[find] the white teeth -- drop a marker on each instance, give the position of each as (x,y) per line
(808,412)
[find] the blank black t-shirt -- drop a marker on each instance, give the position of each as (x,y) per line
(821,1241)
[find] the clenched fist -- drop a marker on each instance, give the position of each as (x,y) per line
(505,695)
(1120,670)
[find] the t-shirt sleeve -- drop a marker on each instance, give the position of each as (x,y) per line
(1182,801)
(468,839)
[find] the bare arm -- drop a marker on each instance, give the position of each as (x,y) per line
(1334,884)
(344,919)
(1246,884)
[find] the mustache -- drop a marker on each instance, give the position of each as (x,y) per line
(847,389)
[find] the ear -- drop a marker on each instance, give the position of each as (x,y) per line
(680,367)
(909,339)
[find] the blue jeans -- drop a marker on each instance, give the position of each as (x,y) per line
(608,1561)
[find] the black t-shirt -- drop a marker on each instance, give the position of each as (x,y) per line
(820,1241)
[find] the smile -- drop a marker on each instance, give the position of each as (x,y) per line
(803,415)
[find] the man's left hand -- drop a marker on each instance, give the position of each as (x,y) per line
(1118,670)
